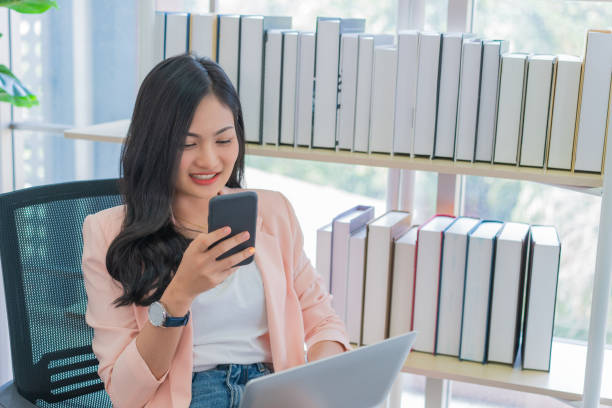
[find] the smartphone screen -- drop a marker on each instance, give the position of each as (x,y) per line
(239,212)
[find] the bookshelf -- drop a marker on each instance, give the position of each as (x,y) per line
(566,377)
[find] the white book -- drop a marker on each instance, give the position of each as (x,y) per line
(324,254)
(367,42)
(476,292)
(272,86)
(289,87)
(537,109)
(157,54)
(402,288)
(347,90)
(427,281)
(382,111)
(510,110)
(378,274)
(427,94)
(507,294)
(343,226)
(250,79)
(541,296)
(153,56)
(489,92)
(327,58)
(450,67)
(405,97)
(565,107)
(228,55)
(176,34)
(469,92)
(203,35)
(305,75)
(356,268)
(594,102)
(452,275)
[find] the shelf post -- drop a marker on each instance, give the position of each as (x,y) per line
(459,15)
(213,6)
(447,200)
(601,294)
(407,183)
(82,62)
(437,393)
(410,15)
(393,183)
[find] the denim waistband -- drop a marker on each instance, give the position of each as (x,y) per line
(261,367)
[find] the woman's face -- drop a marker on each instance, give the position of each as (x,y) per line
(211,150)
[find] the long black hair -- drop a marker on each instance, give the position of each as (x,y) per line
(148,250)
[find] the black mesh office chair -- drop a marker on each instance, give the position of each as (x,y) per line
(41,245)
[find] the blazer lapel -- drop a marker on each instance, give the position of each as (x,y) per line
(269,262)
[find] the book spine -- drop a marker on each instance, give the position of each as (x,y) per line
(527,300)
(289,85)
(594,110)
(521,295)
(405,98)
(383,99)
(364,92)
(326,83)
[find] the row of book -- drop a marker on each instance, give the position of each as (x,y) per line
(471,288)
(448,96)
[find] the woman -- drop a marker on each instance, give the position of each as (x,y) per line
(226,325)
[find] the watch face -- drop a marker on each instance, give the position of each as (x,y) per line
(157,314)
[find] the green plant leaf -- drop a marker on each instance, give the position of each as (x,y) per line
(29,6)
(13,91)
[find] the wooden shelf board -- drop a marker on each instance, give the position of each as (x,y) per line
(565,379)
(116,131)
(104,132)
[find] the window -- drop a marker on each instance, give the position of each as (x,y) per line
(70,59)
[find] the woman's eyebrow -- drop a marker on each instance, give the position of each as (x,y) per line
(218,132)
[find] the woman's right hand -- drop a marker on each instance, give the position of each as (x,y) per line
(200,270)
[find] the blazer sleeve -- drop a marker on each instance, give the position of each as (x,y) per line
(320,320)
(126,376)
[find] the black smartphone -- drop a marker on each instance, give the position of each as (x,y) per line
(239,212)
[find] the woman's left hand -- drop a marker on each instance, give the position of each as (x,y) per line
(325,348)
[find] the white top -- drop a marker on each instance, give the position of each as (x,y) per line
(230,323)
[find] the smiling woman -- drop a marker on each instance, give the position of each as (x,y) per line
(174,324)
(160,155)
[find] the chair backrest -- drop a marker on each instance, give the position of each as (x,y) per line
(41,245)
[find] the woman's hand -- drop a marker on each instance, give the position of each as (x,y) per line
(325,348)
(200,270)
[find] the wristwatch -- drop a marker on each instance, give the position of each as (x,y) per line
(159,317)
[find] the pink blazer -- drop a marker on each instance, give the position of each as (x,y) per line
(298,308)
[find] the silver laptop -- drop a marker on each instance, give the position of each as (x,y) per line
(358,378)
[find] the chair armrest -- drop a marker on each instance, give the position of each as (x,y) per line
(10,398)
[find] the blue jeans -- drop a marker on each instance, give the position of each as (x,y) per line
(223,385)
